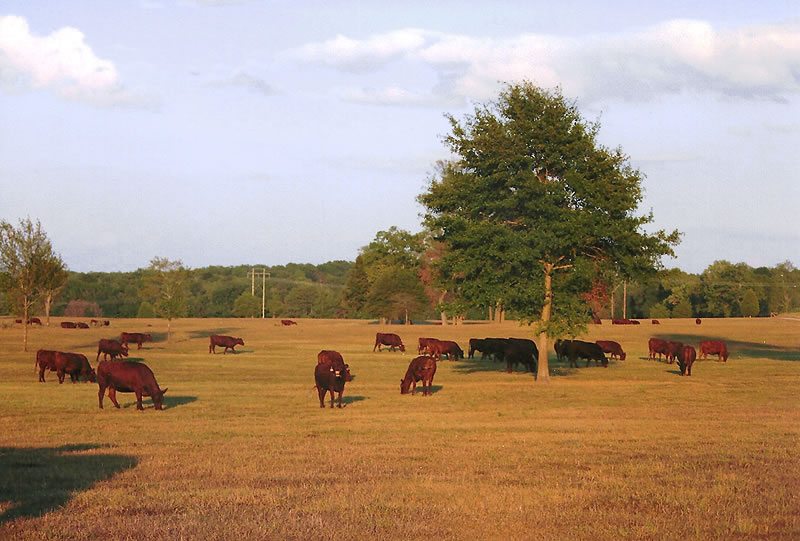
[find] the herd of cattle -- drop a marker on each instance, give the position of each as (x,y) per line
(331,372)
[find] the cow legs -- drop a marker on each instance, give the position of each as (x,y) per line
(41,374)
(340,398)
(139,401)
(331,391)
(321,393)
(112,395)
(60,376)
(100,394)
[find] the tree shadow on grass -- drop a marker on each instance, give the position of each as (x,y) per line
(352,399)
(208,332)
(738,348)
(476,364)
(169,401)
(26,471)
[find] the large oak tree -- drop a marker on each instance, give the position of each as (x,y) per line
(532,207)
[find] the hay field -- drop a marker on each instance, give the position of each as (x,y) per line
(243,450)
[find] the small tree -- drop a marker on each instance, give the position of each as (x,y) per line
(53,281)
(356,289)
(246,305)
(749,305)
(164,285)
(26,259)
(146,311)
(396,294)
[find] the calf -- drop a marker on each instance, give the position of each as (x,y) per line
(609,346)
(657,346)
(135,337)
(128,377)
(714,347)
(228,342)
(423,369)
(74,364)
(45,360)
(445,347)
(68,325)
(110,347)
(686,358)
(331,376)
(388,339)
(590,351)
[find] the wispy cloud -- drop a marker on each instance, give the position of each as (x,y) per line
(249,82)
(761,62)
(62,62)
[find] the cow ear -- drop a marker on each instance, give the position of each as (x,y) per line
(164,391)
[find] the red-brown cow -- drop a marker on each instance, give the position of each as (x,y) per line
(697,321)
(388,339)
(686,358)
(329,356)
(655,322)
(714,347)
(68,325)
(423,369)
(128,377)
(228,342)
(609,346)
(74,364)
(34,321)
(423,345)
(657,346)
(81,325)
(673,348)
(137,338)
(288,322)
(445,347)
(110,347)
(331,376)
(45,360)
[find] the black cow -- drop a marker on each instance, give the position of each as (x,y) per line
(331,376)
(578,349)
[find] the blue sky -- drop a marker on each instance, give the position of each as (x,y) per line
(228,132)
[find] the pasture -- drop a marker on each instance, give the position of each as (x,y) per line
(243,450)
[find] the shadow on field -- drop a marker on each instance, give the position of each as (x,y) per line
(209,332)
(35,481)
(352,399)
(476,364)
(237,351)
(737,348)
(169,401)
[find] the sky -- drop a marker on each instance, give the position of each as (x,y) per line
(240,132)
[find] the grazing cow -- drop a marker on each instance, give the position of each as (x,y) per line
(94,322)
(493,347)
(657,346)
(590,351)
(81,325)
(673,348)
(128,377)
(655,322)
(106,323)
(423,345)
(560,348)
(68,325)
(423,369)
(229,342)
(135,338)
(329,356)
(112,348)
(388,339)
(74,364)
(18,321)
(445,347)
(697,321)
(34,321)
(714,347)
(609,346)
(520,351)
(331,376)
(45,359)
(288,322)
(624,322)
(686,358)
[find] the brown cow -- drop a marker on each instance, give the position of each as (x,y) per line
(686,358)
(331,377)
(609,346)
(423,345)
(228,342)
(657,346)
(578,349)
(388,339)
(697,321)
(445,347)
(329,356)
(134,337)
(288,322)
(94,322)
(34,321)
(128,377)
(110,347)
(68,325)
(655,322)
(81,325)
(673,348)
(45,359)
(714,347)
(74,364)
(423,369)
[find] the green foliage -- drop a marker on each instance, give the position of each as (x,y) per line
(749,304)
(301,301)
(659,311)
(146,310)
(396,293)
(356,289)
(246,305)
(683,309)
(395,248)
(164,286)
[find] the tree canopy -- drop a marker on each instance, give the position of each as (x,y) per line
(532,208)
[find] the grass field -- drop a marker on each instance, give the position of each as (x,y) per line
(243,451)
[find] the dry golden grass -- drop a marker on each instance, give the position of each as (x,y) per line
(243,450)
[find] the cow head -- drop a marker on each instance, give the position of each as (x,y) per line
(402,348)
(92,375)
(404,385)
(240,341)
(622,356)
(347,375)
(158,399)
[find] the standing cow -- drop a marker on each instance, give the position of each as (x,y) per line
(445,347)
(609,346)
(228,342)
(388,339)
(128,377)
(714,347)
(137,338)
(578,349)
(423,369)
(45,360)
(330,375)
(686,358)
(110,347)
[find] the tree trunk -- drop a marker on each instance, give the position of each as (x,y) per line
(169,328)
(48,301)
(406,316)
(543,372)
(491,313)
(25,322)
(443,313)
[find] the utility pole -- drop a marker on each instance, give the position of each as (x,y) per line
(264,275)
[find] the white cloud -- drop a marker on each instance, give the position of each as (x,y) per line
(250,82)
(672,57)
(61,61)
